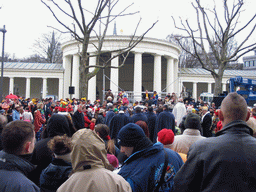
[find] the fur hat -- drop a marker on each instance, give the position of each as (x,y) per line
(165,136)
(130,134)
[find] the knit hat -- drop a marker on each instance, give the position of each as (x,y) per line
(130,134)
(165,136)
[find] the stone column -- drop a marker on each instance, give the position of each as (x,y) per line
(11,85)
(209,87)
(27,87)
(92,81)
(137,82)
(157,74)
(195,90)
(177,88)
(44,87)
(60,96)
(75,75)
(170,75)
(224,87)
(114,75)
(67,75)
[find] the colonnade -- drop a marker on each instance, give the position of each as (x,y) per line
(71,65)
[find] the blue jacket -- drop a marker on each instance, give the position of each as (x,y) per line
(143,168)
(55,174)
(13,171)
(110,114)
(164,120)
(15,115)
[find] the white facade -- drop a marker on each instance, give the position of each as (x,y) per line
(154,55)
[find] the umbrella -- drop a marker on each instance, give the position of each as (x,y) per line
(11,96)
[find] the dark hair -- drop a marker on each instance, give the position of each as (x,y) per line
(150,108)
(60,145)
(103,130)
(137,109)
(15,134)
(192,121)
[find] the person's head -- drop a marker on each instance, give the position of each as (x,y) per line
(3,122)
(88,151)
(18,138)
(131,138)
(58,125)
(165,136)
(192,121)
(150,109)
(144,126)
(102,130)
(60,145)
(251,122)
(137,109)
(165,107)
(233,107)
(40,105)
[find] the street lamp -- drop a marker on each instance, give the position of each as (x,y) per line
(3,30)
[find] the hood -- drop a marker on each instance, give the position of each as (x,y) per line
(88,151)
(58,125)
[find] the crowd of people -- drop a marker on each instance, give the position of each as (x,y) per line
(157,144)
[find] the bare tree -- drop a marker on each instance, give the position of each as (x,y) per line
(48,46)
(217,33)
(83,27)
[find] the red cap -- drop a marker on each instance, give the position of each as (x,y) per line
(166,136)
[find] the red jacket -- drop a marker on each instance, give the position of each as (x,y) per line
(38,120)
(87,121)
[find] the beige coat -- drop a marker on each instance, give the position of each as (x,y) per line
(91,169)
(183,142)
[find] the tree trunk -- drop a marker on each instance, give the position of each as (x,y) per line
(218,85)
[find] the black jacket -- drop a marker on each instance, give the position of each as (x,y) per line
(223,163)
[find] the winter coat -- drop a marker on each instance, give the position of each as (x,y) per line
(100,119)
(91,168)
(226,162)
(15,115)
(183,142)
(55,175)
(164,120)
(13,174)
(143,167)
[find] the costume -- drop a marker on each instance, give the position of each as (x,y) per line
(116,123)
(206,124)
(13,172)
(164,120)
(55,174)
(109,116)
(91,168)
(151,124)
(226,162)
(142,172)
(139,117)
(179,111)
(183,142)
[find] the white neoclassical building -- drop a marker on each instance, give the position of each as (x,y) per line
(152,65)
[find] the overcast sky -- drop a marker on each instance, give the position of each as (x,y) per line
(27,20)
